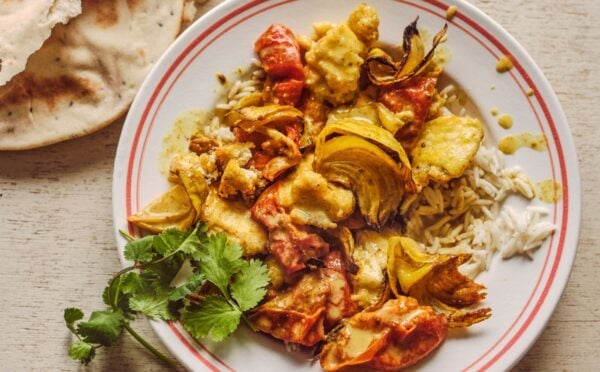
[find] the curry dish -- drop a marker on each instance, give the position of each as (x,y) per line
(312,180)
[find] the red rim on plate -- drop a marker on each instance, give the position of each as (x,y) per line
(559,252)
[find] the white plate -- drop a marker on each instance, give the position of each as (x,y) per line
(521,292)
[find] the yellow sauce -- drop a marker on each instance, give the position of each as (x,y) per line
(359,341)
(505,121)
(442,55)
(177,139)
(451,12)
(494,111)
(511,143)
(549,190)
(504,64)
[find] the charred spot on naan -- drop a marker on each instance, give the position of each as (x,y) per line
(107,11)
(25,87)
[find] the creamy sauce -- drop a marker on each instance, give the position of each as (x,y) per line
(451,12)
(505,121)
(549,190)
(511,143)
(504,64)
(425,35)
(442,55)
(177,140)
(359,341)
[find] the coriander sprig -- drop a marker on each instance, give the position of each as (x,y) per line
(168,268)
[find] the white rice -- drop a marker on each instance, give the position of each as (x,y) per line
(467,215)
(249,81)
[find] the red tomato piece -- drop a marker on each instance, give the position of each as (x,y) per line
(296,315)
(279,53)
(303,312)
(415,96)
(287,91)
(395,336)
(290,244)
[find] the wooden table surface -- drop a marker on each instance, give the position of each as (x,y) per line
(57,246)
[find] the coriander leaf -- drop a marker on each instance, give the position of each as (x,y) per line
(249,284)
(169,241)
(134,282)
(126,235)
(153,305)
(191,244)
(72,315)
(82,351)
(114,296)
(219,260)
(214,317)
(160,275)
(140,250)
(103,327)
(188,287)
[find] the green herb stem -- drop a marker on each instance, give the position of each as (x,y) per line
(151,348)
(244,317)
(126,235)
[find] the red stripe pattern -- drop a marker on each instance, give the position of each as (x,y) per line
(144,128)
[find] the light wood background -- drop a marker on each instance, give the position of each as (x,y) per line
(57,247)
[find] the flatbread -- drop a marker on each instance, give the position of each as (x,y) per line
(87,72)
(24,26)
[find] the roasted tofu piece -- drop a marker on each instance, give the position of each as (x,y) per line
(445,148)
(233,218)
(311,200)
(370,256)
(239,181)
(200,143)
(334,61)
(239,152)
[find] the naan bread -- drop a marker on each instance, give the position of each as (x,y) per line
(87,72)
(24,26)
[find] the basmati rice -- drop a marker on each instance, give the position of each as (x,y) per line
(467,214)
(250,81)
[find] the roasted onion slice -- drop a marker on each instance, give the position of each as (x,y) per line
(373,176)
(382,70)
(275,131)
(434,280)
(373,133)
(273,116)
(173,209)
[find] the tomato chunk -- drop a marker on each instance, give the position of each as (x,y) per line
(291,245)
(306,310)
(280,56)
(279,53)
(287,91)
(395,336)
(416,96)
